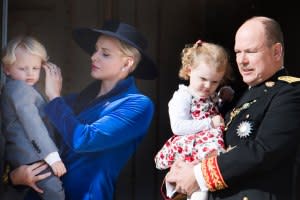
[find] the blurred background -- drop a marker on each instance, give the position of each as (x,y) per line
(168,25)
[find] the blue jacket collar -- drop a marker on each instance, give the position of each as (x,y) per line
(87,97)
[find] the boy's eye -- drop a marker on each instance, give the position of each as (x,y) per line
(105,54)
(22,68)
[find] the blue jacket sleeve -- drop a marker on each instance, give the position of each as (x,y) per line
(125,120)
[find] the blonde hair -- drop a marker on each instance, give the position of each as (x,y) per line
(131,51)
(212,54)
(28,43)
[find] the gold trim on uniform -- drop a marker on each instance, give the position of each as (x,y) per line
(289,79)
(229,148)
(5,178)
(212,174)
(236,111)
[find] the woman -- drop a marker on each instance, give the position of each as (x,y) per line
(102,125)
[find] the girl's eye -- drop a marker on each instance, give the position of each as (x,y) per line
(22,68)
(36,68)
(105,54)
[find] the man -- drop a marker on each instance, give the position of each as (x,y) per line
(262,131)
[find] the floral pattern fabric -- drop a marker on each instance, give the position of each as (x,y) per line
(193,146)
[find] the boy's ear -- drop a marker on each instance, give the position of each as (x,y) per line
(6,69)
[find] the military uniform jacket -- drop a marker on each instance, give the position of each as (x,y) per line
(262,134)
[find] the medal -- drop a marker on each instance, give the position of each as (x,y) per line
(244,129)
(270,84)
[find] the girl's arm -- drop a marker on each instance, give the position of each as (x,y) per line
(181,120)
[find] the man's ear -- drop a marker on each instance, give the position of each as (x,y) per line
(278,50)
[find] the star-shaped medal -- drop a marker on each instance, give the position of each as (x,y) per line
(244,129)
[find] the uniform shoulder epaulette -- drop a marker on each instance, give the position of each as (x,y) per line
(289,79)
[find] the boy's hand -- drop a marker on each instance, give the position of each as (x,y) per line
(58,168)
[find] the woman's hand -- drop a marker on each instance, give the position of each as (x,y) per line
(29,175)
(53,80)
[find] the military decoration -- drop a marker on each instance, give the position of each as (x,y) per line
(236,111)
(244,129)
(289,79)
(270,84)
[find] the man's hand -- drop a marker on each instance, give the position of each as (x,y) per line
(182,176)
(29,175)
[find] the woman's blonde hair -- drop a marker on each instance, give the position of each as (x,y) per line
(131,51)
(28,43)
(212,54)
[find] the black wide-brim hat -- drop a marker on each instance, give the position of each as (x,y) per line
(86,38)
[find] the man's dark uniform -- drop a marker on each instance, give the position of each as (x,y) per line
(262,135)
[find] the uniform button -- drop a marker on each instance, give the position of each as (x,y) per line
(245,198)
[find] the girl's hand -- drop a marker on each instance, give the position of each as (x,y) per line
(217,121)
(53,80)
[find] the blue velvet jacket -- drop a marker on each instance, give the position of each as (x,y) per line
(99,136)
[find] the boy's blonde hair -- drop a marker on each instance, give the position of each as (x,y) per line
(28,43)
(212,54)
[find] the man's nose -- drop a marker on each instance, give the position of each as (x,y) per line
(242,58)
